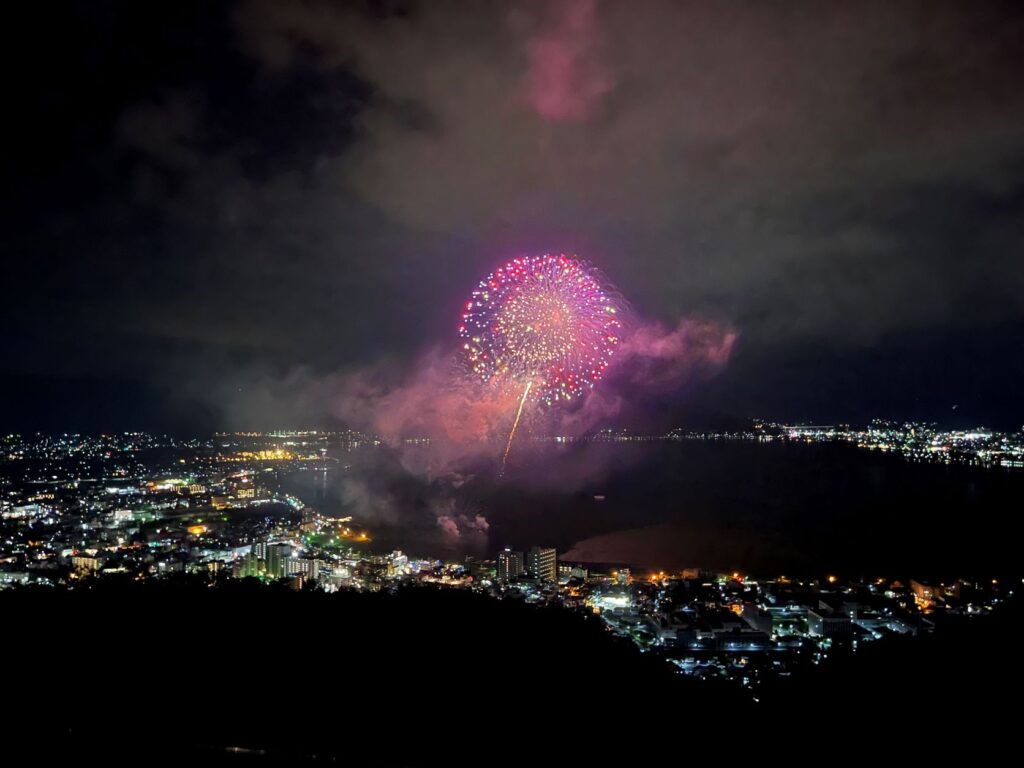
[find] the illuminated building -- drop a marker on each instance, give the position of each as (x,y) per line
(306,567)
(248,565)
(86,563)
(542,564)
(276,559)
(822,622)
(510,565)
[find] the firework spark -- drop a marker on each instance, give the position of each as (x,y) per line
(543,323)
(544,319)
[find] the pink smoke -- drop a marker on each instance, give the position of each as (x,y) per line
(658,359)
(565,80)
(454,526)
(467,421)
(448,526)
(652,360)
(462,418)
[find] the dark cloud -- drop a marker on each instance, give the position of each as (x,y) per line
(242,203)
(710,151)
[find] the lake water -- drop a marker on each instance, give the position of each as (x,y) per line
(756,507)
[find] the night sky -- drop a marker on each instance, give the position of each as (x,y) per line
(214,210)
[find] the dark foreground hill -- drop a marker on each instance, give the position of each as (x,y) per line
(181,672)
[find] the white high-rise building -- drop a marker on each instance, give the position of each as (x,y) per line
(542,564)
(510,565)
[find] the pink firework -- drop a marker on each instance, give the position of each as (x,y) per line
(543,323)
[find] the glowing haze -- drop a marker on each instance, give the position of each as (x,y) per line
(539,329)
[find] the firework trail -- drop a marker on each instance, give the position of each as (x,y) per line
(515,424)
(544,320)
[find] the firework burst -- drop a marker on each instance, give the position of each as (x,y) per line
(543,323)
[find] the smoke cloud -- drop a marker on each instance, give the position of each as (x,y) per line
(566,79)
(467,421)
